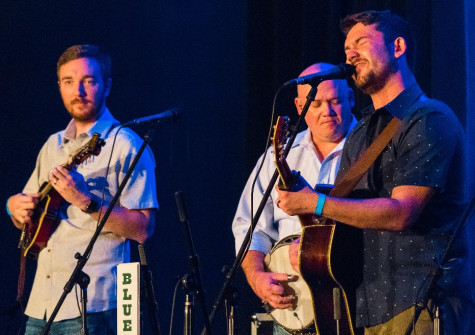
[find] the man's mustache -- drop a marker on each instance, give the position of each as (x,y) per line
(79,101)
(358,60)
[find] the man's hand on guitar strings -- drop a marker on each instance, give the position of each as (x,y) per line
(71,186)
(21,207)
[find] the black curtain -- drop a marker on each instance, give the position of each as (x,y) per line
(285,37)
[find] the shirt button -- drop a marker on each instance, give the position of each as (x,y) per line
(49,250)
(48,276)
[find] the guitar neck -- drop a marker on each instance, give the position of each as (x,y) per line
(279,139)
(286,176)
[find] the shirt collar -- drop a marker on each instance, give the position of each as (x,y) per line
(103,125)
(399,105)
(307,141)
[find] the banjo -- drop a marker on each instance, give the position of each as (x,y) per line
(298,319)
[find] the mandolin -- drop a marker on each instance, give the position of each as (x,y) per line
(45,219)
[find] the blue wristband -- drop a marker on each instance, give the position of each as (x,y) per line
(320,203)
(8,210)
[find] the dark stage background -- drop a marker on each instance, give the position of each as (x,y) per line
(222,62)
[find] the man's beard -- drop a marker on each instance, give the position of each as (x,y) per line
(373,82)
(370,83)
(87,113)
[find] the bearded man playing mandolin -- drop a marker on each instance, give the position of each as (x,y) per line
(85,192)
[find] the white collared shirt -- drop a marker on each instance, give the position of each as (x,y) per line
(274,224)
(56,261)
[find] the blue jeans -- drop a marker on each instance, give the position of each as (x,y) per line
(279,330)
(103,323)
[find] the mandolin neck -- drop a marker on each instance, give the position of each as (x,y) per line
(47,188)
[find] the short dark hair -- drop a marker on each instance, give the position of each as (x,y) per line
(391,25)
(89,51)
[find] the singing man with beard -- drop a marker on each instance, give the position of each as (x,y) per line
(409,202)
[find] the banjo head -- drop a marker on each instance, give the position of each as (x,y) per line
(298,319)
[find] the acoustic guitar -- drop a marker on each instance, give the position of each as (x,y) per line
(36,233)
(330,257)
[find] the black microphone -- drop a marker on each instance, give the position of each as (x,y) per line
(180,204)
(342,71)
(169,115)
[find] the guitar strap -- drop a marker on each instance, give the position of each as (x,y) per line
(348,181)
(344,185)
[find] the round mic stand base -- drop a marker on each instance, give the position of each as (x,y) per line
(231,313)
(188,285)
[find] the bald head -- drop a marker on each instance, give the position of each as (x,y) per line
(317,67)
(302,90)
(329,115)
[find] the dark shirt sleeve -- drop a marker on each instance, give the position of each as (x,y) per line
(425,150)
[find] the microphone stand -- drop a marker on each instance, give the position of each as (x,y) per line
(188,285)
(197,285)
(231,307)
(149,292)
(77,275)
(237,261)
(435,274)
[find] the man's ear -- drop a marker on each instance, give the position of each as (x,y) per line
(298,105)
(400,47)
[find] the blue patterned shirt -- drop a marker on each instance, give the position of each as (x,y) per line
(428,150)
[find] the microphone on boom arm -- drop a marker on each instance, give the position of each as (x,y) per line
(169,115)
(342,71)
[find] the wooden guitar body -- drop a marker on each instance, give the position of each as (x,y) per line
(331,264)
(330,258)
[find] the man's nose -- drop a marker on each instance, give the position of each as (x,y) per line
(80,90)
(327,109)
(351,54)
